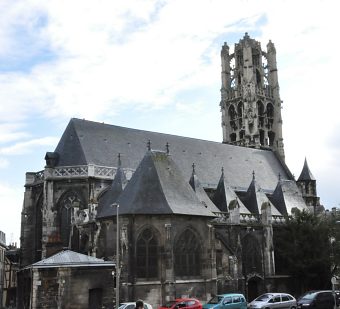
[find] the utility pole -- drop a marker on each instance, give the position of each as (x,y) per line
(117,256)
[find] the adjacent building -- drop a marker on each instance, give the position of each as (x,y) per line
(10,276)
(67,280)
(2,265)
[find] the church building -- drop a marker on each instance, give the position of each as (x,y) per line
(195,217)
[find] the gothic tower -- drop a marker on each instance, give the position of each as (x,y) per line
(250,98)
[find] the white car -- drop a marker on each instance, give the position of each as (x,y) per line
(273,300)
(132,305)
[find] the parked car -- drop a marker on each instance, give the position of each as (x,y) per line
(273,300)
(183,303)
(227,301)
(132,305)
(319,300)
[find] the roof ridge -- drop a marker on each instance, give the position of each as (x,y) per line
(163,133)
(71,255)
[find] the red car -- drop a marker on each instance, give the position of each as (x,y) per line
(183,303)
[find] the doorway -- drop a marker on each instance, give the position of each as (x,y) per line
(95,298)
(252,289)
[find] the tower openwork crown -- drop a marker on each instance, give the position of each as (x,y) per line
(250,97)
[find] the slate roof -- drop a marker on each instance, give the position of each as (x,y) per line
(157,187)
(306,174)
(70,258)
(254,198)
(85,142)
(201,194)
(225,196)
(111,195)
(287,196)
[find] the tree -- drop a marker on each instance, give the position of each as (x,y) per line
(334,224)
(303,249)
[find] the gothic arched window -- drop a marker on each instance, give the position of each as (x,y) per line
(232,117)
(251,254)
(68,202)
(270,115)
(258,79)
(147,255)
(239,80)
(256,57)
(231,112)
(187,255)
(260,112)
(38,229)
(233,137)
(270,110)
(240,113)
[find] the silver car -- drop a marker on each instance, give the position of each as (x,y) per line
(132,305)
(273,300)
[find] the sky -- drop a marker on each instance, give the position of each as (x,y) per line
(155,65)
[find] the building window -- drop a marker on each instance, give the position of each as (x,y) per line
(147,255)
(187,255)
(251,255)
(232,117)
(219,267)
(270,115)
(69,202)
(38,229)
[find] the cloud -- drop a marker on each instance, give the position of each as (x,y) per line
(3,163)
(10,132)
(25,147)
(112,56)
(128,54)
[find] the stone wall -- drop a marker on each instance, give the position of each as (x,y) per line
(167,286)
(71,287)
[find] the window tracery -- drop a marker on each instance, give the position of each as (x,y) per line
(68,204)
(251,254)
(147,254)
(187,255)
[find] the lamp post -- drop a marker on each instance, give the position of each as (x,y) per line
(117,256)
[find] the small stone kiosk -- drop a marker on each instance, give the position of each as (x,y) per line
(67,280)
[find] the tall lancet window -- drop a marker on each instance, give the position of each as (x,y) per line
(147,255)
(68,204)
(187,255)
(38,229)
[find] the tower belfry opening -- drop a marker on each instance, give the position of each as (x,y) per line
(250,97)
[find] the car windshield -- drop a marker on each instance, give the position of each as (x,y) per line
(263,297)
(215,300)
(308,296)
(169,304)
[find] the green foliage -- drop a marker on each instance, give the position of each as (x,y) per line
(304,250)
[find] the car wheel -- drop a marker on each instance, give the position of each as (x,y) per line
(293,307)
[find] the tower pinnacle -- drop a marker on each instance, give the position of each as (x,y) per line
(250,99)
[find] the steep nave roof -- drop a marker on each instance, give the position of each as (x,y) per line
(86,142)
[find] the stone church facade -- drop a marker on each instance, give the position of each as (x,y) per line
(196,218)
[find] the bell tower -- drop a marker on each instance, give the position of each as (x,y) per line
(250,98)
